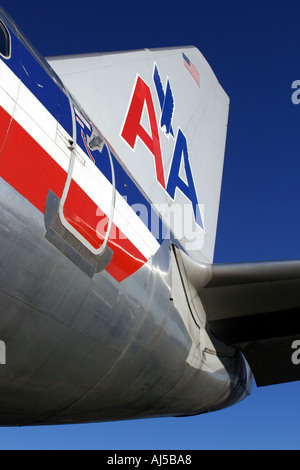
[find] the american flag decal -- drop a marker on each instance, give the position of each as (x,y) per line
(192,69)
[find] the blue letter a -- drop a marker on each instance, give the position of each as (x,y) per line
(176,182)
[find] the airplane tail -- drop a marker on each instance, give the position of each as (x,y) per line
(165,115)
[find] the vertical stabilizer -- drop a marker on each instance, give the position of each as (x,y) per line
(165,114)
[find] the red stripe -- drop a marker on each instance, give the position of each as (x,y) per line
(85,216)
(4,127)
(28,168)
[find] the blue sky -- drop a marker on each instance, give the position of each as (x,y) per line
(253,48)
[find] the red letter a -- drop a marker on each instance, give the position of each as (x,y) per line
(133,128)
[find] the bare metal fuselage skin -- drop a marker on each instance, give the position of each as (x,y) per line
(83,349)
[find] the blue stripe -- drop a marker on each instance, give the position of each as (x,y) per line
(186,59)
(14,62)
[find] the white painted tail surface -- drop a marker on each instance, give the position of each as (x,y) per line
(165,115)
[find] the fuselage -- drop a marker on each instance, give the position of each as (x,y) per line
(93,314)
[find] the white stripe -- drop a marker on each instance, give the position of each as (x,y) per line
(44,129)
(82,118)
(41,137)
(7,103)
(9,81)
(40,125)
(36,112)
(99,189)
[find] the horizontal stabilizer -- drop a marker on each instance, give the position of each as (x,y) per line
(254,307)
